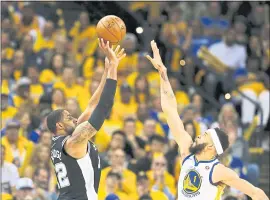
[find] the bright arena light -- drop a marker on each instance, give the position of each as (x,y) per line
(227,96)
(139,30)
(182,62)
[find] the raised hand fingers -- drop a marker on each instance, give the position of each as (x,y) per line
(117,49)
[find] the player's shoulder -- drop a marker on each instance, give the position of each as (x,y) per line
(59,140)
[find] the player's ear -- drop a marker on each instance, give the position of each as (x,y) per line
(59,126)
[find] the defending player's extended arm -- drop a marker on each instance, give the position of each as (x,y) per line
(169,104)
(94,99)
(169,107)
(229,177)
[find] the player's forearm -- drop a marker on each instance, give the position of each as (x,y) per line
(96,96)
(168,100)
(112,73)
(243,186)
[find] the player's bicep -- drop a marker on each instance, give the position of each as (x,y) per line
(182,138)
(225,175)
(81,134)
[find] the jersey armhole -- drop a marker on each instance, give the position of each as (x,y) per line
(211,174)
(63,146)
(186,158)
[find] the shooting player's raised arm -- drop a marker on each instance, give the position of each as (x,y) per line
(76,144)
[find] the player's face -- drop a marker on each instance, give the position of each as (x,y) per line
(69,122)
(201,143)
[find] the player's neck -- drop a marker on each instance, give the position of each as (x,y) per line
(204,157)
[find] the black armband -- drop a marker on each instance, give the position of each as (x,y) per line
(104,105)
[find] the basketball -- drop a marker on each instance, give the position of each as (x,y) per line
(111,28)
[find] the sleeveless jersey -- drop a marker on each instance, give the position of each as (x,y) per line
(195,181)
(77,178)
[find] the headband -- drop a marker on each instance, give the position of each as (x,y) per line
(216,141)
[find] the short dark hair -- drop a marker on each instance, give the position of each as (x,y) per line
(119,132)
(157,138)
(114,174)
(129,119)
(223,138)
(53,118)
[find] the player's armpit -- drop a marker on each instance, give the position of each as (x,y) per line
(230,178)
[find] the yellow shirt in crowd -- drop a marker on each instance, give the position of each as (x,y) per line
(7,115)
(121,110)
(36,90)
(128,180)
(23,146)
(168,181)
(43,43)
(71,92)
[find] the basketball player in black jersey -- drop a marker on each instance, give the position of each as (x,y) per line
(75,158)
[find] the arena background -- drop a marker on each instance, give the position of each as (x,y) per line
(217,55)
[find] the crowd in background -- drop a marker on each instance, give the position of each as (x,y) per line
(46,66)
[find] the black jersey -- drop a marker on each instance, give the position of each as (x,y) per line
(77,178)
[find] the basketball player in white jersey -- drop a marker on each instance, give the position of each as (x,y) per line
(202,177)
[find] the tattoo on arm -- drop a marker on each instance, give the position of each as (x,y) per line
(83,133)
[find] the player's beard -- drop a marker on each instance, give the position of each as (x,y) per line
(196,149)
(70,130)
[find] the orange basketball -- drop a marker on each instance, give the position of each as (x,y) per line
(111,28)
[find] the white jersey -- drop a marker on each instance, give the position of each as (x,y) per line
(195,181)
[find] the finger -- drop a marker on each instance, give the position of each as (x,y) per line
(122,56)
(149,58)
(117,49)
(121,52)
(108,45)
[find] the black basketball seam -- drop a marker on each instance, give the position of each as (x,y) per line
(110,32)
(118,26)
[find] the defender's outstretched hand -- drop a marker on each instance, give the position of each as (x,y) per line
(113,56)
(156,60)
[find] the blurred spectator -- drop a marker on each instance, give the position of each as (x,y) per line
(10,174)
(160,179)
(26,46)
(18,64)
(118,165)
(73,107)
(23,97)
(7,51)
(111,188)
(157,145)
(7,83)
(137,144)
(144,68)
(141,90)
(257,16)
(39,158)
(54,73)
(41,179)
(83,33)
(254,89)
(16,146)
(181,96)
(30,21)
(240,27)
(150,128)
(157,114)
(36,89)
(68,84)
(214,23)
(143,189)
(26,190)
(58,99)
(44,40)
(126,106)
(130,62)
(231,54)
(7,111)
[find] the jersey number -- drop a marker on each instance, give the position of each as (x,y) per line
(61,172)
